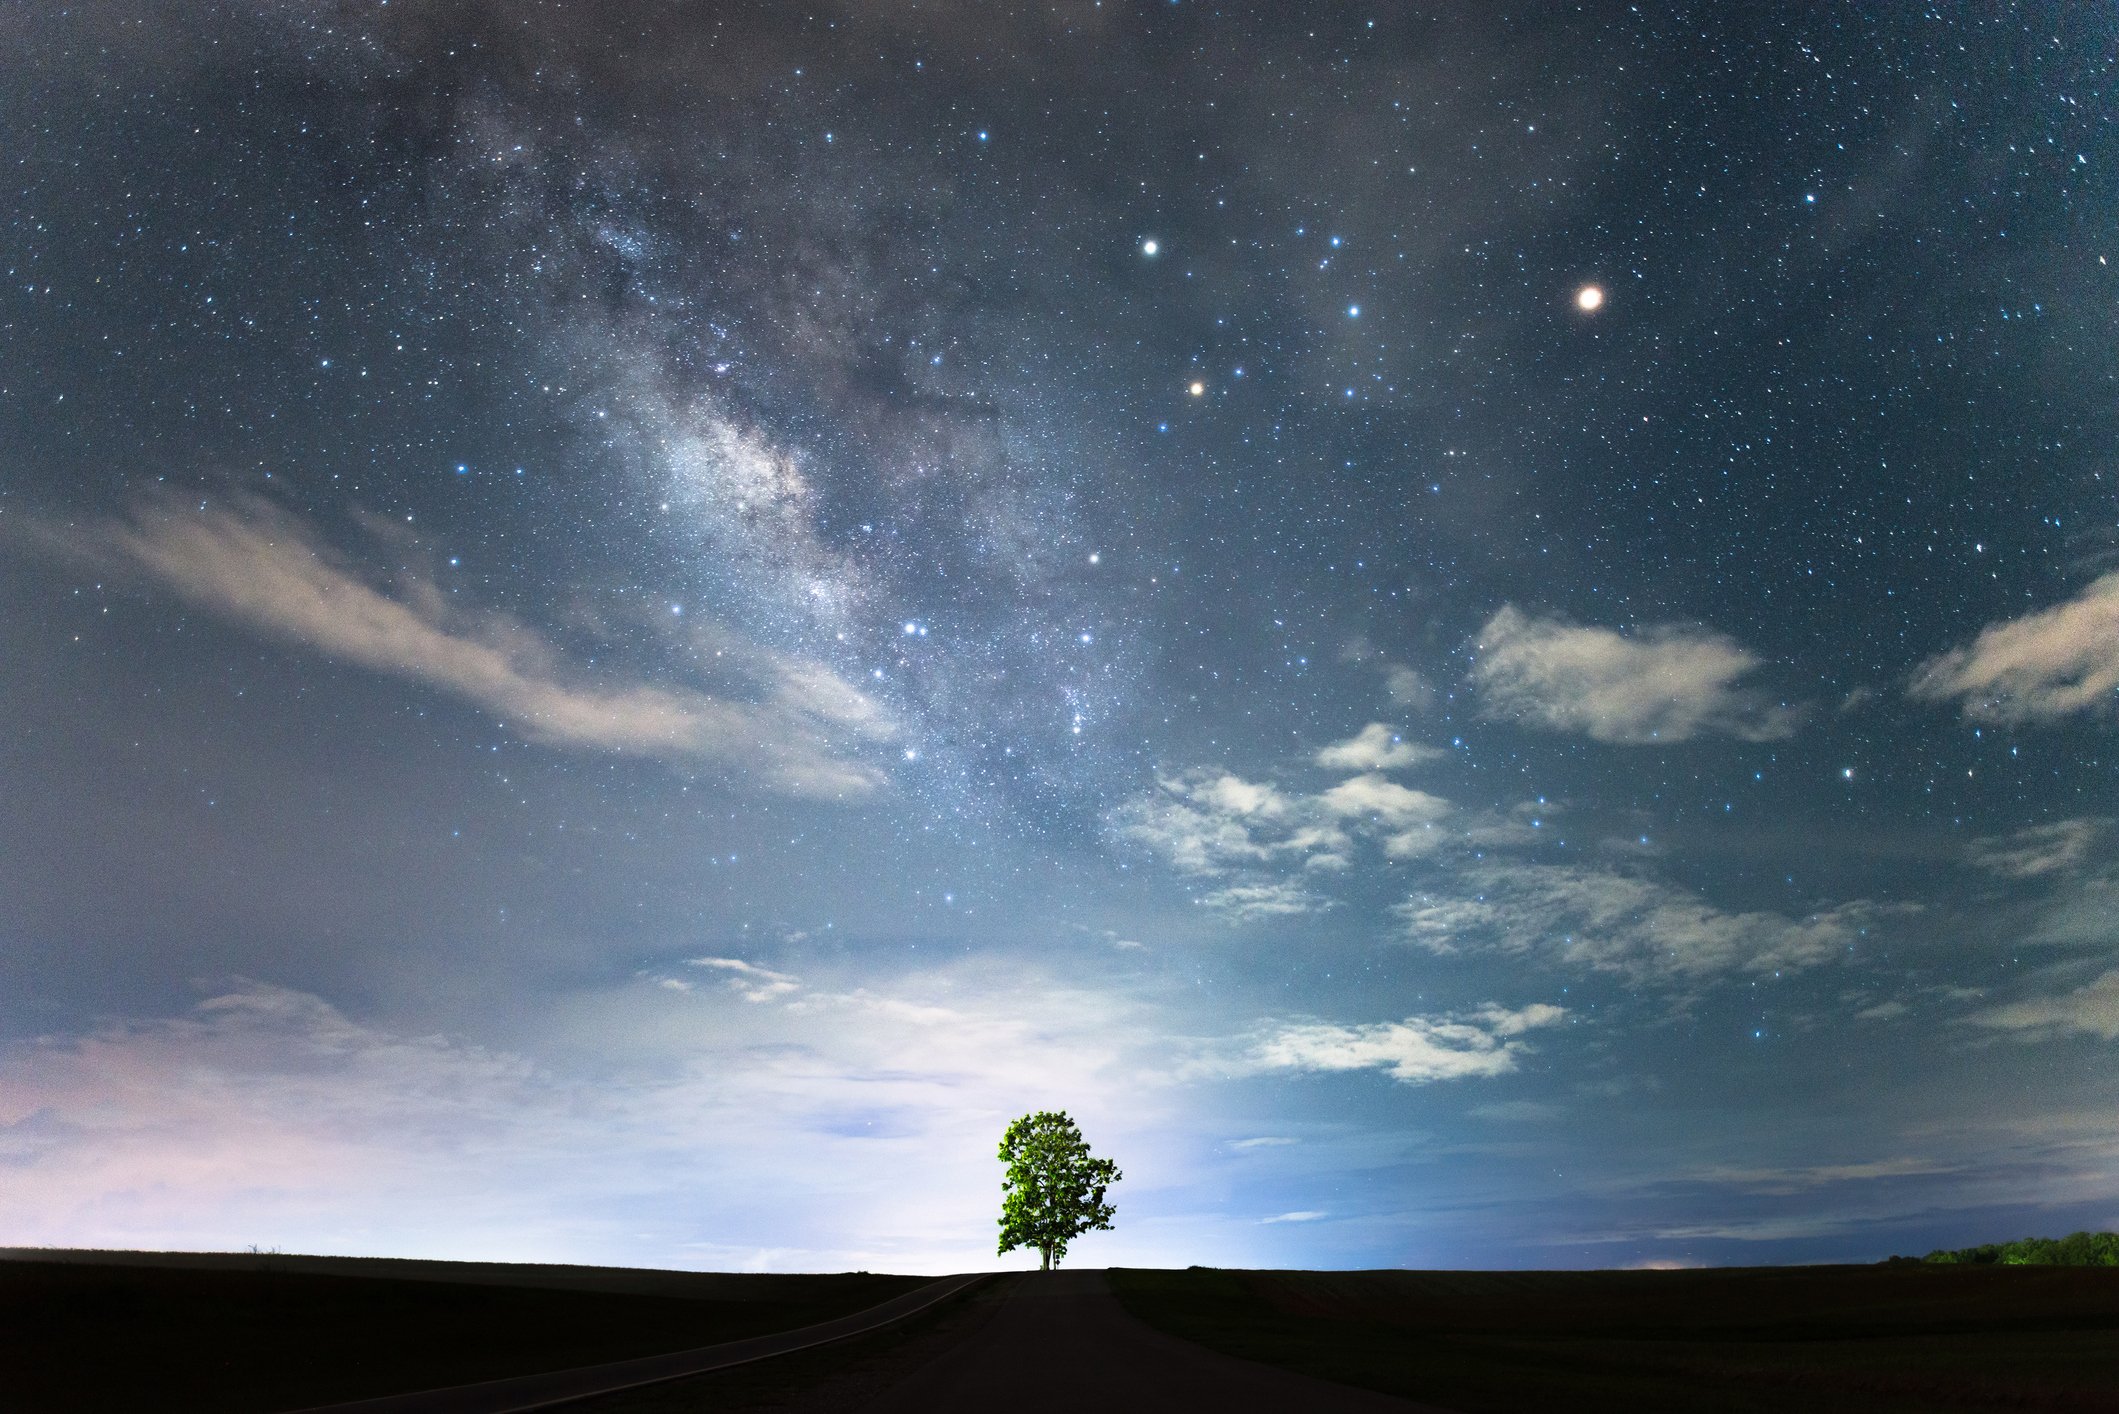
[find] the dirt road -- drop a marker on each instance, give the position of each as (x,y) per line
(1063,1344)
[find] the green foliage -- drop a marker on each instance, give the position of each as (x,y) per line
(2077,1249)
(1053,1191)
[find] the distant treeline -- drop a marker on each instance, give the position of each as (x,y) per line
(2077,1249)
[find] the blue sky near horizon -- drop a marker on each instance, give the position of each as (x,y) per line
(1480,639)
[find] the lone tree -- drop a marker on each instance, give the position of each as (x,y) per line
(1053,1191)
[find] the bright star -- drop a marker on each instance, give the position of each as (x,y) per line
(1197,389)
(1149,247)
(1589,298)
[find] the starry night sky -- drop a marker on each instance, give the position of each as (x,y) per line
(1482,638)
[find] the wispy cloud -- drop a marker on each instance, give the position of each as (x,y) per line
(2038,668)
(1300,1215)
(1212,822)
(1248,903)
(1376,747)
(1809,1178)
(1415,1051)
(1664,684)
(2091,1010)
(1624,923)
(2040,850)
(1517,1111)
(750,981)
(1207,822)
(798,731)
(1407,687)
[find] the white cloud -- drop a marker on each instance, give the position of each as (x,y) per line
(1622,923)
(751,982)
(253,562)
(1262,1141)
(1665,684)
(2039,668)
(1382,801)
(1415,1051)
(1407,687)
(1502,1022)
(2037,851)
(2091,1010)
(1217,824)
(1405,818)
(1209,822)
(1301,1215)
(1249,903)
(1376,747)
(1214,822)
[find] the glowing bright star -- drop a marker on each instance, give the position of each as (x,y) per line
(1197,389)
(1095,558)
(1353,311)
(1149,247)
(1589,298)
(1847,774)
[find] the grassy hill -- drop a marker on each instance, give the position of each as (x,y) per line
(247,1334)
(1836,1340)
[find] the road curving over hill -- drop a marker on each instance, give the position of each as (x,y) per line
(1061,1344)
(557,1388)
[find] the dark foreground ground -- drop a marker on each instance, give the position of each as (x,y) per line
(1031,1343)
(1898,1338)
(95,1332)
(267,1333)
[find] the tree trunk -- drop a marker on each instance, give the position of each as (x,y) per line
(1046,1254)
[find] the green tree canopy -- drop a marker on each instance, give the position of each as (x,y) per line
(2077,1249)
(1053,1191)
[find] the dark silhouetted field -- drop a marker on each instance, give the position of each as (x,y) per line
(247,1334)
(1885,1338)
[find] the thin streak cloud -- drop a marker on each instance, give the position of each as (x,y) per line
(254,563)
(1416,1051)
